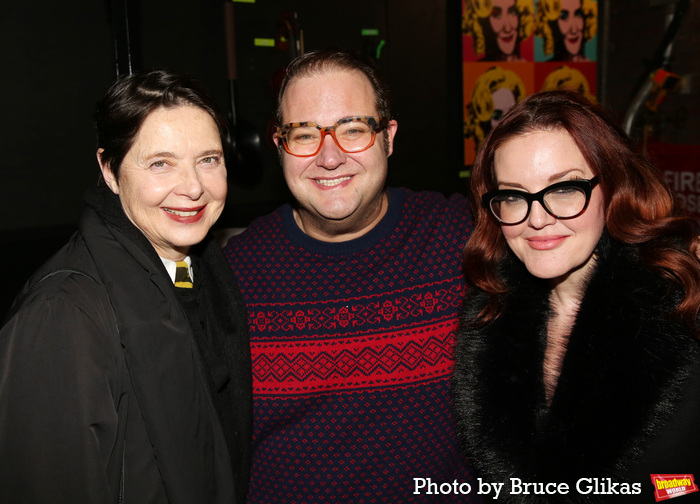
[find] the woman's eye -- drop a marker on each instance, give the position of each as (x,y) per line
(210,160)
(159,164)
(565,190)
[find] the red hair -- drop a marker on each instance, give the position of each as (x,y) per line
(640,208)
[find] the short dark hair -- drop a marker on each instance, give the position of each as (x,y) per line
(323,60)
(131,98)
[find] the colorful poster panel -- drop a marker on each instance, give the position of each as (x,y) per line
(498,30)
(581,77)
(566,30)
(489,91)
(513,48)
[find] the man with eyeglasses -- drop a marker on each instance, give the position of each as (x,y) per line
(352,294)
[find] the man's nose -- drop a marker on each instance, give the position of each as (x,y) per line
(330,156)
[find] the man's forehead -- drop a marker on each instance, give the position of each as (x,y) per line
(328,71)
(329,93)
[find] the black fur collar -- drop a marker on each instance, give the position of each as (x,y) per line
(619,382)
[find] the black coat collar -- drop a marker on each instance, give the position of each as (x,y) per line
(620,379)
(153,328)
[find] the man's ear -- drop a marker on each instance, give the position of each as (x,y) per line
(280,148)
(390,134)
(107,174)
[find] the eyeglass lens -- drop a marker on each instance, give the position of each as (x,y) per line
(563,202)
(353,136)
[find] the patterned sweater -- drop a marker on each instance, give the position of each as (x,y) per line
(352,347)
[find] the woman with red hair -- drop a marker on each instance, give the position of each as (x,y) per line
(578,359)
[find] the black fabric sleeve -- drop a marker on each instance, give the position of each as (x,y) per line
(59,359)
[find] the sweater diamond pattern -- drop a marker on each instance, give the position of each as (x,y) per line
(352,347)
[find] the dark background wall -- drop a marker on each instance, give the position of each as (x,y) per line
(58,60)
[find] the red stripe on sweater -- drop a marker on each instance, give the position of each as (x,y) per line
(330,364)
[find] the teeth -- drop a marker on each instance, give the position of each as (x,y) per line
(181,214)
(334,182)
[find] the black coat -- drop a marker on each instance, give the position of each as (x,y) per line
(106,392)
(627,403)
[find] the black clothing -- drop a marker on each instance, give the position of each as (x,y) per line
(625,405)
(107,394)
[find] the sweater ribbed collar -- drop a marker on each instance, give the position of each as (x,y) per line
(396,199)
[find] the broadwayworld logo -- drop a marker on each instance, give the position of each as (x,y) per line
(667,486)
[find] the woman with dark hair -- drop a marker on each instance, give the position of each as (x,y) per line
(126,373)
(578,358)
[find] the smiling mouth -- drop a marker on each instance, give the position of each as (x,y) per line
(545,242)
(183,213)
(331,182)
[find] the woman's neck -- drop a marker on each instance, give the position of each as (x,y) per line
(559,325)
(564,301)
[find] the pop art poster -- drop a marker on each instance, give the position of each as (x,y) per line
(529,30)
(566,30)
(512,48)
(581,77)
(490,90)
(498,30)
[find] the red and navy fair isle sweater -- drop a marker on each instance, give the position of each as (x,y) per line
(352,347)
